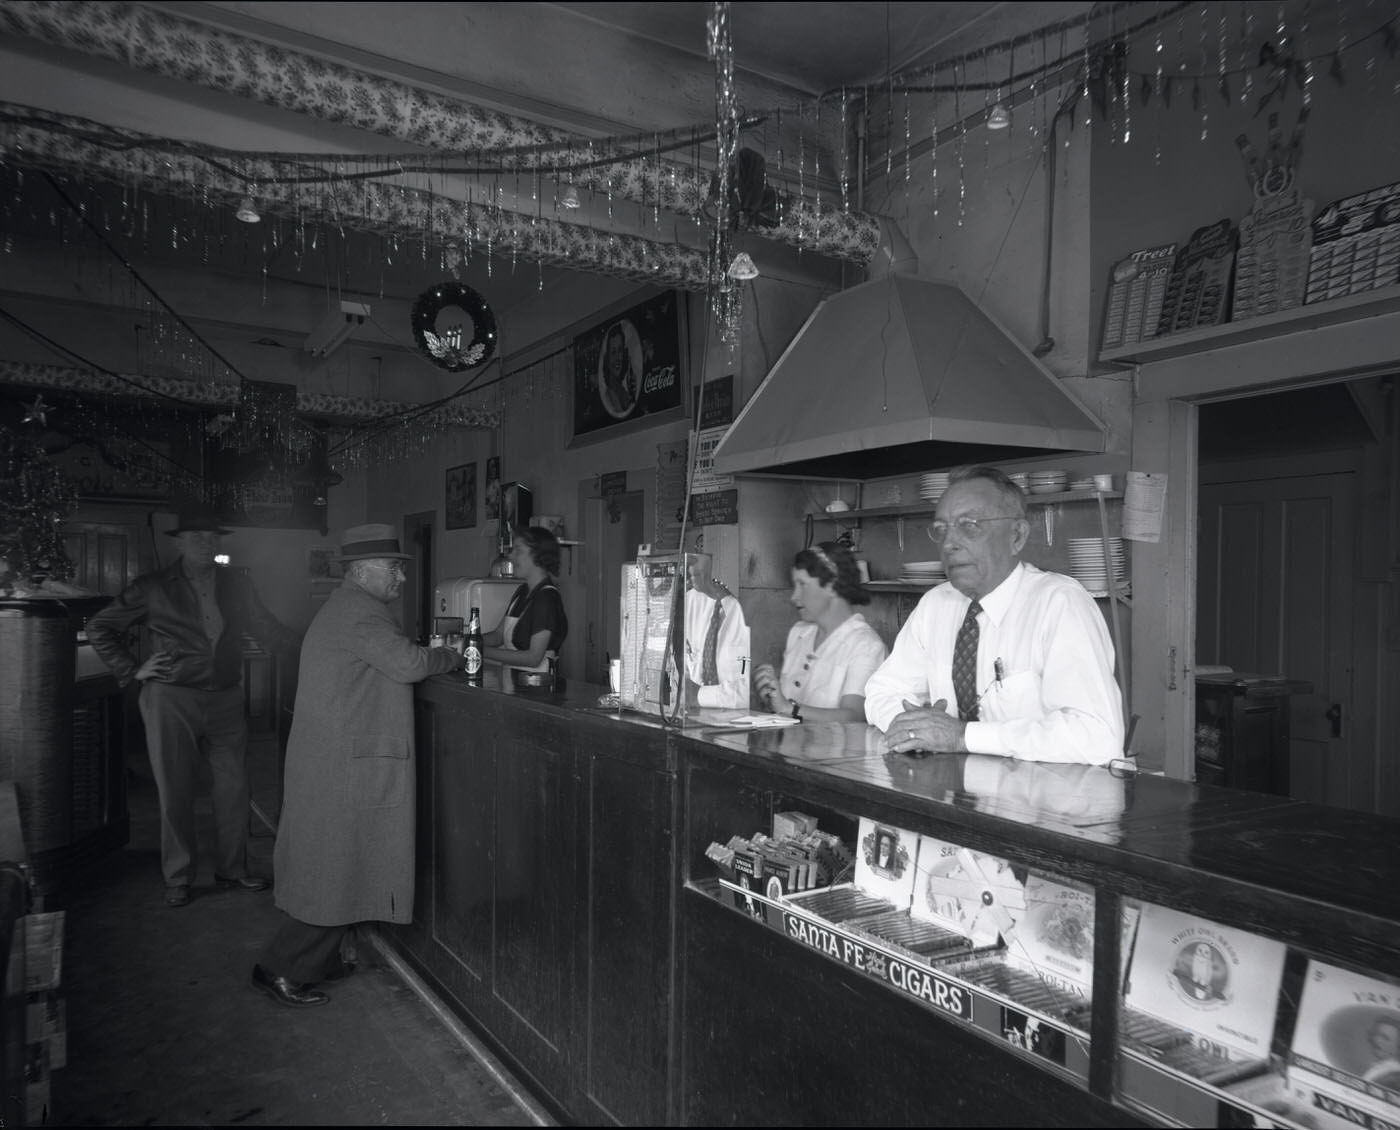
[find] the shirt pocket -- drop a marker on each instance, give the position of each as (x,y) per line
(378,771)
(1015,696)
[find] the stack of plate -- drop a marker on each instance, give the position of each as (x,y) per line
(1021,479)
(1048,482)
(932,485)
(1086,562)
(923,573)
(1082,484)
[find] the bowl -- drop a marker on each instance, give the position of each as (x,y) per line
(839,506)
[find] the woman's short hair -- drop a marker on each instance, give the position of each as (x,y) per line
(1010,491)
(543,547)
(831,563)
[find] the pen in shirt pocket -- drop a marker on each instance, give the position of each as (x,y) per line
(998,670)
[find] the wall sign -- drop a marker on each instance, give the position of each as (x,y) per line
(630,368)
(717,508)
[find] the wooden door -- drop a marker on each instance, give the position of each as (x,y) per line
(612,537)
(1274,596)
(418,585)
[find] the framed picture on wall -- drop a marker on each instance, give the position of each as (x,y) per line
(629,368)
(460,505)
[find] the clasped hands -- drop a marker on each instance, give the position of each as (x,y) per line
(918,729)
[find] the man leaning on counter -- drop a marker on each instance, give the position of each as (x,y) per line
(1023,655)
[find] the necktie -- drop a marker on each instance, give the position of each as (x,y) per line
(709,668)
(965,665)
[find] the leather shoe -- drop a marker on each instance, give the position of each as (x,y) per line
(242,883)
(341,971)
(177,896)
(293,994)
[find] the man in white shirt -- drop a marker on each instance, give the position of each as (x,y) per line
(716,640)
(1029,672)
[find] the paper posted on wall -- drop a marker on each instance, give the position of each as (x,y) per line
(1144,503)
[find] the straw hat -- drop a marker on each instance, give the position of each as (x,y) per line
(376,539)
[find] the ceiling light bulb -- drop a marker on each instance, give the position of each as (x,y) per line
(743,267)
(570,198)
(247,212)
(999,117)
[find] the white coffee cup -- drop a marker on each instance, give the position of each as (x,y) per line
(1103,482)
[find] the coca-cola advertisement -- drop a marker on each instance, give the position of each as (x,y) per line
(630,367)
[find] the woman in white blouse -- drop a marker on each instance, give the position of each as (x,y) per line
(831,651)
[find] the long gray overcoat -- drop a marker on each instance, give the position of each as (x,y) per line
(345,839)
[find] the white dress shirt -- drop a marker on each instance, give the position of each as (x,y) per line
(1044,669)
(731,650)
(822,676)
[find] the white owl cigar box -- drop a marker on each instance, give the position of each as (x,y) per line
(885,858)
(967,891)
(1346,1041)
(1217,982)
(1054,936)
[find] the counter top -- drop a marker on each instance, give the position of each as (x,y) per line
(1165,833)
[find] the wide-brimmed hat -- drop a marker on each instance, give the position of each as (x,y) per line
(376,539)
(197,518)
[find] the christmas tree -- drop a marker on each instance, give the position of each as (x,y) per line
(35,498)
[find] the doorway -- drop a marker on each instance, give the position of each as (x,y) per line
(615,526)
(418,585)
(1278,506)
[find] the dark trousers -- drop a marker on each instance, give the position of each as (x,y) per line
(302,952)
(184,725)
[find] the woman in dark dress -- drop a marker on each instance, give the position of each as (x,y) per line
(534,625)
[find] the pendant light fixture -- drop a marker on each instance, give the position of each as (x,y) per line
(742,267)
(247,211)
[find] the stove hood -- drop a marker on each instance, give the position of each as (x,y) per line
(897,376)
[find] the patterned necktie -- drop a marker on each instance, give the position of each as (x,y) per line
(709,667)
(965,665)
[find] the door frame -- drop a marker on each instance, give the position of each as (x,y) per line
(419,538)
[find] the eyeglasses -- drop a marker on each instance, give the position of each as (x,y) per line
(969,528)
(389,567)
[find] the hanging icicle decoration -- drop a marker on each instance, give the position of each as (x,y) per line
(908,155)
(845,156)
(1084,97)
(1202,106)
(933,141)
(962,140)
(1246,36)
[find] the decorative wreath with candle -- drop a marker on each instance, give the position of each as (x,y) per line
(454,327)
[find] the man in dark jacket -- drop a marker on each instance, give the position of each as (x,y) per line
(196,615)
(346,837)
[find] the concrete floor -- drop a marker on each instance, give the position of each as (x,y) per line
(163,1028)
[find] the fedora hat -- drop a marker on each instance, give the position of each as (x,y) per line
(197,518)
(376,539)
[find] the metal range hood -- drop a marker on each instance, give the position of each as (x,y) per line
(901,375)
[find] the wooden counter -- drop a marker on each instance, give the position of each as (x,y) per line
(566,908)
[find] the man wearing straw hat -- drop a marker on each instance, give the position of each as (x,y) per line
(346,837)
(196,615)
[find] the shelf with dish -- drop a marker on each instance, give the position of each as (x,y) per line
(925,509)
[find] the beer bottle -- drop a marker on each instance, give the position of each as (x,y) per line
(472,652)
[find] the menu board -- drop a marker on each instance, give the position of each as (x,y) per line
(1346,1043)
(1355,245)
(1135,296)
(975,894)
(1198,290)
(1271,268)
(1215,981)
(885,858)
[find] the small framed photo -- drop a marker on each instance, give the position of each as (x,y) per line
(460,506)
(321,564)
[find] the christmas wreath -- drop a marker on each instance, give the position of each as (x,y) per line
(447,340)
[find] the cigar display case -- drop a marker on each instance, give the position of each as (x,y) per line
(1002,922)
